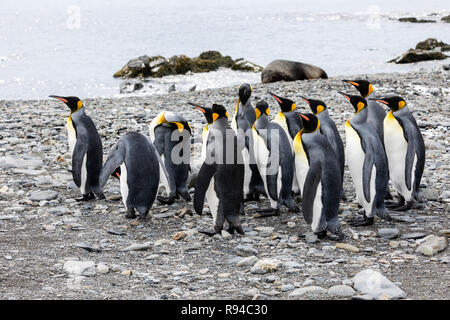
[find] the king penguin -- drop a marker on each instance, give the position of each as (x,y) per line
(375,113)
(242,122)
(275,160)
(367,162)
(170,133)
(85,146)
(208,113)
(319,177)
(329,130)
(133,160)
(405,150)
(291,124)
(221,177)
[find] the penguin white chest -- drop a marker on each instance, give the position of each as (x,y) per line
(396,149)
(213,200)
(71,135)
(354,155)
(124,184)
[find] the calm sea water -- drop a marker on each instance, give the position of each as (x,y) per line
(71,47)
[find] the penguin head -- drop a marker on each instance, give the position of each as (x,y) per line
(394,103)
(261,108)
(310,122)
(317,106)
(245,91)
(358,102)
(286,105)
(174,120)
(207,112)
(219,111)
(74,103)
(364,87)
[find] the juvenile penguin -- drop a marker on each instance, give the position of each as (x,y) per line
(242,122)
(85,146)
(221,176)
(367,163)
(319,177)
(405,150)
(291,124)
(274,157)
(375,113)
(329,130)
(170,133)
(133,160)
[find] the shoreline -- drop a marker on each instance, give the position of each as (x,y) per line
(434,67)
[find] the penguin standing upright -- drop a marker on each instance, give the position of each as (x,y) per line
(242,122)
(319,177)
(329,130)
(291,124)
(405,150)
(86,148)
(133,160)
(221,176)
(375,113)
(274,157)
(367,162)
(170,133)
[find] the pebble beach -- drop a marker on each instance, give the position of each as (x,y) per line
(53,247)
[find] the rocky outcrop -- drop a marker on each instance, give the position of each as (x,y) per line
(158,66)
(430,49)
(285,70)
(415,20)
(446,19)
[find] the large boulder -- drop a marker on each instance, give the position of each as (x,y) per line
(433,44)
(415,55)
(415,20)
(158,66)
(446,19)
(429,49)
(285,70)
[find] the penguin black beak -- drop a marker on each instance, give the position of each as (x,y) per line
(60,98)
(276,97)
(351,82)
(345,95)
(197,106)
(306,100)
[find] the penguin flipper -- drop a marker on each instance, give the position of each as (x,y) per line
(369,162)
(204,177)
(313,178)
(79,152)
(115,158)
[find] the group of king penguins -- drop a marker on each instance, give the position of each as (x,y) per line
(294,156)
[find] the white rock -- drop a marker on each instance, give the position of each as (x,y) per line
(266,265)
(311,290)
(341,291)
(373,283)
(432,245)
(247,261)
(80,268)
(102,268)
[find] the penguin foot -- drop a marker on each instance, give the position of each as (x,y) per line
(407,206)
(185,196)
(365,221)
(100,195)
(86,197)
(208,232)
(130,214)
(166,200)
(269,212)
(321,234)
